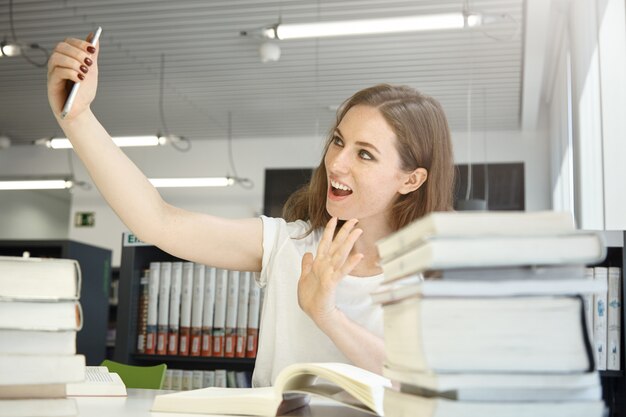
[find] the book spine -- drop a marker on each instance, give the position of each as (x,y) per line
(197,379)
(197,300)
(599,318)
(219,316)
(614,308)
(220,378)
(177,379)
(142,312)
(174,316)
(208,379)
(588,305)
(242,314)
(185,309)
(254,308)
(164,307)
(232,299)
(153,302)
(205,346)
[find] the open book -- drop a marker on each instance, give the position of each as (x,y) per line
(99,382)
(345,383)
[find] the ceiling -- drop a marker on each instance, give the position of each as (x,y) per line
(211,71)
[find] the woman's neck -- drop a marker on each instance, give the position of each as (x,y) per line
(366,244)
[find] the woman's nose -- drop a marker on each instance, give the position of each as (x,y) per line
(339,162)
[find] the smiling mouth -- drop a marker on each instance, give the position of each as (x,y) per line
(338,189)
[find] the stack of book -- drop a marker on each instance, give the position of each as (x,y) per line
(484,316)
(39,317)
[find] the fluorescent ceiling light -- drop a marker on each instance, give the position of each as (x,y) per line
(9,49)
(121,141)
(36,184)
(192,182)
(371,26)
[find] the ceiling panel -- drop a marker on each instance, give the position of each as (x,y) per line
(211,71)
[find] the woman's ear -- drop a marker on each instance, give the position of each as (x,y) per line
(414,181)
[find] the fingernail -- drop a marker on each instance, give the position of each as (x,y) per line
(91,49)
(88,61)
(84,69)
(81,76)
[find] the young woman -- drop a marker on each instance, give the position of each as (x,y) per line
(388,161)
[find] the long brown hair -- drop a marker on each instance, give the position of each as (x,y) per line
(423,141)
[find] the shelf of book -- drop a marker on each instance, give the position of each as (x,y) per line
(136,258)
(95,265)
(614,381)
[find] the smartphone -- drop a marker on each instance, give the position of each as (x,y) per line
(74,91)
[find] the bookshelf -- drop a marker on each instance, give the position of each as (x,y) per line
(614,382)
(136,257)
(95,265)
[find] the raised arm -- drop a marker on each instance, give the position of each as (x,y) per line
(225,243)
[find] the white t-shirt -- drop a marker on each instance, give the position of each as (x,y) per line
(287,335)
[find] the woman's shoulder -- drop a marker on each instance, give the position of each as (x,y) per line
(296,230)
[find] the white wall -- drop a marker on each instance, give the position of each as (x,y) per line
(252,157)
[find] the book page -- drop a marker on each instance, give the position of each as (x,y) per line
(99,382)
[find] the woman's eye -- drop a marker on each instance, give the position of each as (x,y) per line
(365,155)
(337,141)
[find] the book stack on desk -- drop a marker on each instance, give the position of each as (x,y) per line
(40,314)
(484,315)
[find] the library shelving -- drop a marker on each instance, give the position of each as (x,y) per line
(95,265)
(136,257)
(614,382)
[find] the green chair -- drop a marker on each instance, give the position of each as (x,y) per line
(148,377)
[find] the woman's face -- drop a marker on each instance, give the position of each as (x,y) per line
(363,166)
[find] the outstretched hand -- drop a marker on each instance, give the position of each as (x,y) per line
(321,274)
(72,60)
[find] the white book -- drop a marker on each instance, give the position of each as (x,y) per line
(174,314)
(39,278)
(41,315)
(30,342)
(614,311)
(185,309)
(398,403)
(153,303)
(41,369)
(167,381)
(219,316)
(206,348)
(187,380)
(254,310)
(197,379)
(177,379)
(197,303)
(600,274)
(220,378)
(99,382)
(352,386)
(588,304)
(165,283)
(471,224)
(496,334)
(496,251)
(242,314)
(232,300)
(208,379)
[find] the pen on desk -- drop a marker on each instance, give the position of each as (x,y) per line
(72,96)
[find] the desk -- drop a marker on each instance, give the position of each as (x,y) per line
(139,401)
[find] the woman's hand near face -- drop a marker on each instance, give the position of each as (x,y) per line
(321,274)
(72,60)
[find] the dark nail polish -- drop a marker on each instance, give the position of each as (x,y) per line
(88,61)
(81,76)
(84,69)
(91,49)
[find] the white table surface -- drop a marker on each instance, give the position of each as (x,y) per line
(139,401)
